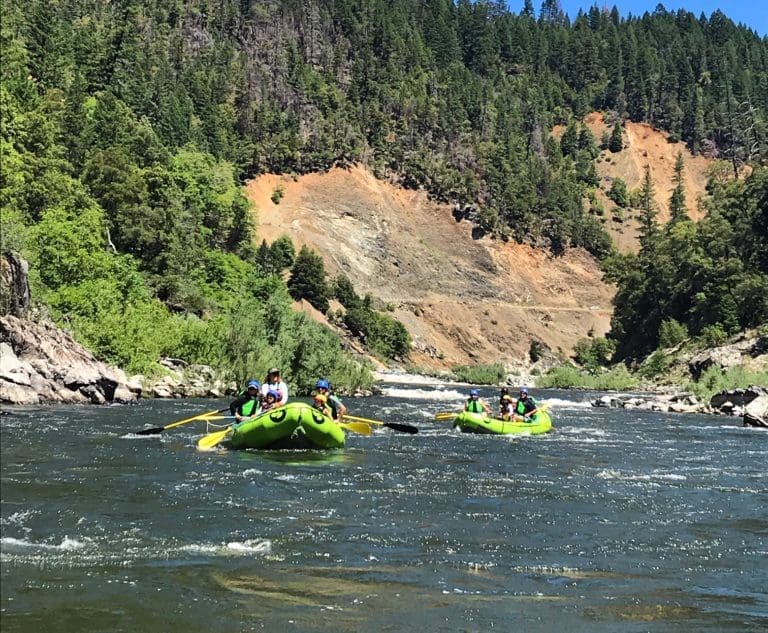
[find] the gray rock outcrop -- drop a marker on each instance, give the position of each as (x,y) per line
(756,412)
(41,363)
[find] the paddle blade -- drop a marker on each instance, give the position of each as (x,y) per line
(155,430)
(402,428)
(357,427)
(445,415)
(207,442)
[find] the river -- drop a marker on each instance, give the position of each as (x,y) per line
(618,521)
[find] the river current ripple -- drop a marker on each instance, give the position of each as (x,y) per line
(619,521)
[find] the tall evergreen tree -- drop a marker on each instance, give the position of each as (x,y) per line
(648,225)
(677,207)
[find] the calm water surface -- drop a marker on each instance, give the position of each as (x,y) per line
(618,521)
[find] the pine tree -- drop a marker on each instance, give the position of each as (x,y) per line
(677,207)
(616,142)
(648,226)
(309,280)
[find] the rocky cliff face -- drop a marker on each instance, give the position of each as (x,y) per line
(40,362)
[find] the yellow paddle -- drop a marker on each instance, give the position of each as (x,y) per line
(159,429)
(207,442)
(363,428)
(445,415)
(395,426)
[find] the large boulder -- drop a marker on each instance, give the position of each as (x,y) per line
(756,412)
(727,400)
(41,363)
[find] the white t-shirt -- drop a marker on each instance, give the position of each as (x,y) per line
(276,386)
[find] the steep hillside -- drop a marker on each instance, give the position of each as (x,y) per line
(644,146)
(462,300)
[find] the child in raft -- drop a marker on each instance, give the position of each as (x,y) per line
(270,400)
(320,403)
(506,405)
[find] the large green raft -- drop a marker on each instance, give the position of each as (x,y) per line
(293,426)
(479,423)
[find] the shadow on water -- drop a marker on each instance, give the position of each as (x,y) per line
(302,458)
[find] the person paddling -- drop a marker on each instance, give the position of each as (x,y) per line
(338,410)
(474,404)
(526,405)
(248,404)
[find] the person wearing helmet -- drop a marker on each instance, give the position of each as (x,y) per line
(526,405)
(248,403)
(474,404)
(271,400)
(320,402)
(273,381)
(338,410)
(506,404)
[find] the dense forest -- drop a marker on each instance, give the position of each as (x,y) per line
(128,127)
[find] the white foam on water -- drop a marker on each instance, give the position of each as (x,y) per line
(251,546)
(134,436)
(618,475)
(566,404)
(406,379)
(232,548)
(670,476)
(66,545)
(17,518)
(425,394)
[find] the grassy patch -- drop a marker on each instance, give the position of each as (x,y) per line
(714,380)
(480,374)
(566,377)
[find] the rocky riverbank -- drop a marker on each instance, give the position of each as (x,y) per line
(41,363)
(751,404)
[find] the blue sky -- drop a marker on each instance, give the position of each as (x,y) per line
(752,13)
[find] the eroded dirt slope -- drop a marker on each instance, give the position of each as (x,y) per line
(644,147)
(462,300)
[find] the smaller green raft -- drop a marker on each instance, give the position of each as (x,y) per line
(478,423)
(295,425)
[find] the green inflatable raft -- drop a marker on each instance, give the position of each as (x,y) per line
(294,425)
(479,423)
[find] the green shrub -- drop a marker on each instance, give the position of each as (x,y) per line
(655,364)
(593,354)
(569,377)
(480,374)
(713,335)
(671,333)
(618,193)
(713,380)
(382,334)
(277,195)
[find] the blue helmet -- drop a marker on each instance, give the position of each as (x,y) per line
(255,384)
(474,392)
(322,384)
(275,394)
(523,390)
